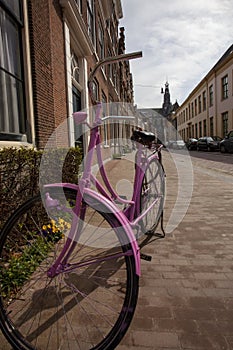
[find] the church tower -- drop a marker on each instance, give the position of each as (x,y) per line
(167,105)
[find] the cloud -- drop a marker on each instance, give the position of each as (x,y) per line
(180,40)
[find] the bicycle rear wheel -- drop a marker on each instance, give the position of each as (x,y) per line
(152,189)
(89,306)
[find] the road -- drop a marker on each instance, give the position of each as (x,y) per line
(214,156)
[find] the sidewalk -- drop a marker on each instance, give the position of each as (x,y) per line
(186,293)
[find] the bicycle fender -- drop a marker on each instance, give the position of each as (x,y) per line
(99,202)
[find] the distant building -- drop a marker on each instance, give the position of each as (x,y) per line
(208,110)
(159,120)
(47,50)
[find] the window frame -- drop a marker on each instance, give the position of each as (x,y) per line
(101,41)
(212,126)
(204,127)
(199,104)
(211,95)
(204,100)
(225,123)
(200,129)
(91,20)
(13,126)
(225,87)
(79,4)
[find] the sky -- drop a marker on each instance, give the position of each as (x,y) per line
(181,41)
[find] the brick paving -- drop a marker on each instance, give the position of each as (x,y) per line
(186,291)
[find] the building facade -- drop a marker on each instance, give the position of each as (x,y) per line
(208,110)
(47,50)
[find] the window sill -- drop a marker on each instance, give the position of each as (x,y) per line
(15,144)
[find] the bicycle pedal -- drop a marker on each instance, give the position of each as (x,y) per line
(145,257)
(149,233)
(155,234)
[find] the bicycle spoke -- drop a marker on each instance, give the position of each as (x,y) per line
(152,191)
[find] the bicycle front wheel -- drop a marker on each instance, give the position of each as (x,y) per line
(152,191)
(88,305)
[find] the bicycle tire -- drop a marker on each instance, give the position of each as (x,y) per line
(90,307)
(152,188)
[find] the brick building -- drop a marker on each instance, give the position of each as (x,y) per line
(47,50)
(208,110)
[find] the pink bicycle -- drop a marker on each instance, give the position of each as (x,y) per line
(70,259)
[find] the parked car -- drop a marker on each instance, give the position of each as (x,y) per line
(217,139)
(207,143)
(177,144)
(191,144)
(226,145)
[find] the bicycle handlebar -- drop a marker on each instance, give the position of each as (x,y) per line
(109,60)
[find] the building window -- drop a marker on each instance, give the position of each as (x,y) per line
(95,90)
(101,40)
(90,20)
(199,104)
(115,76)
(225,123)
(225,87)
(204,100)
(196,131)
(204,127)
(110,67)
(79,4)
(104,103)
(77,127)
(75,69)
(200,129)
(104,131)
(211,126)
(211,95)
(12,105)
(195,106)
(192,110)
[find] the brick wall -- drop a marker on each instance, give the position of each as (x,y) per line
(48,67)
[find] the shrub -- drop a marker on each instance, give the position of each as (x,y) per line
(19,174)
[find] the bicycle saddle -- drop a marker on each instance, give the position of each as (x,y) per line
(143,137)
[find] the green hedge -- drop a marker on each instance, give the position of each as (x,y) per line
(19,174)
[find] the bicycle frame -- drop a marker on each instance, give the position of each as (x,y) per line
(126,216)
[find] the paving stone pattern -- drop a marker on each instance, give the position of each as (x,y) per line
(186,292)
